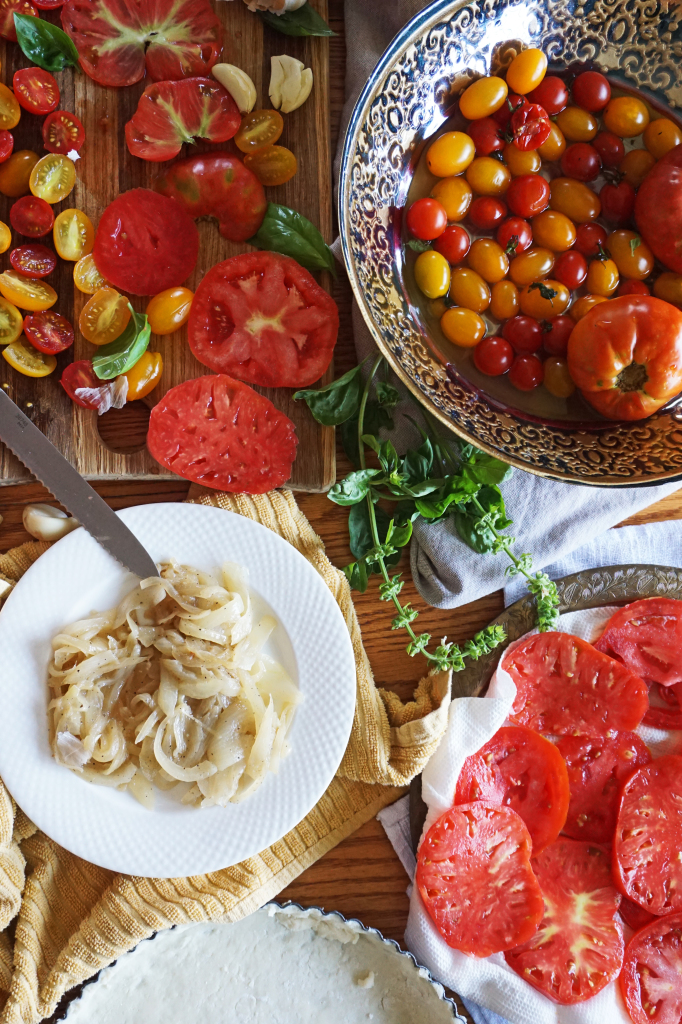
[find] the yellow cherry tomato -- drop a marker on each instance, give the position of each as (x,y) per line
(87,277)
(27,359)
(483,98)
(584,304)
(462,326)
(53,178)
(662,135)
(455,196)
(5,237)
(521,161)
(602,278)
(169,311)
(10,111)
(631,254)
(489,260)
(554,145)
(557,379)
(668,286)
(488,177)
(468,289)
(437,307)
(27,292)
(432,274)
(553,230)
(526,71)
(144,376)
(450,154)
(626,116)
(74,235)
(504,300)
(11,322)
(15,173)
(574,199)
(272,165)
(577,125)
(544,299)
(531,266)
(635,166)
(104,317)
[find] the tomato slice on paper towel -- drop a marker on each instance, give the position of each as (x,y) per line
(635,917)
(475,878)
(263,318)
(651,979)
(646,636)
(564,686)
(668,713)
(171,114)
(578,947)
(524,771)
(118,39)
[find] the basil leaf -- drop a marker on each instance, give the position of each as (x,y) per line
(121,355)
(387,395)
(472,526)
(44,43)
(356,574)
(335,403)
(286,231)
(353,488)
(303,22)
(418,246)
(360,534)
(486,469)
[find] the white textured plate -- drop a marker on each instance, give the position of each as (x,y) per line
(108,827)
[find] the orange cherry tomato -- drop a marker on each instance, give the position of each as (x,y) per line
(74,235)
(28,360)
(521,161)
(53,178)
(462,326)
(15,173)
(626,116)
(468,289)
(104,317)
(557,379)
(5,237)
(87,277)
(504,300)
(661,135)
(631,254)
(553,230)
(450,154)
(635,166)
(11,322)
(577,125)
(574,199)
(10,111)
(483,97)
(584,304)
(526,71)
(531,266)
(169,311)
(489,260)
(272,165)
(667,286)
(454,194)
(602,277)
(554,145)
(27,292)
(488,177)
(544,299)
(144,376)
(259,128)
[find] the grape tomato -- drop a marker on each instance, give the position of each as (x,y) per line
(53,178)
(272,165)
(31,217)
(34,260)
(527,70)
(259,128)
(521,161)
(486,136)
(486,212)
(74,235)
(5,237)
(63,132)
(584,304)
(555,334)
(571,269)
(26,292)
(488,259)
(667,286)
(450,154)
(524,333)
(11,322)
(487,176)
(504,300)
(530,126)
(531,266)
(590,238)
(543,299)
(36,90)
(662,135)
(455,196)
(630,253)
(169,310)
(617,202)
(49,332)
(555,144)
(582,161)
(483,97)
(453,244)
(528,195)
(144,376)
(80,376)
(104,316)
(493,356)
(468,289)
(591,91)
(462,326)
(426,219)
(514,235)
(635,166)
(610,148)
(551,94)
(577,125)
(526,373)
(575,199)
(28,360)
(602,277)
(15,173)
(432,274)
(626,116)
(631,287)
(557,379)
(553,230)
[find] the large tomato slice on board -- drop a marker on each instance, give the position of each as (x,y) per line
(474,875)
(597,767)
(118,39)
(647,637)
(264,319)
(564,686)
(578,947)
(145,243)
(220,433)
(647,862)
(651,979)
(171,114)
(524,771)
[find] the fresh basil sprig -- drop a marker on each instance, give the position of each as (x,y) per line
(44,43)
(303,22)
(286,231)
(334,403)
(120,355)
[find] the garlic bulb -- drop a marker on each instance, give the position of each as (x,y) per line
(276,6)
(45,522)
(238,84)
(291,83)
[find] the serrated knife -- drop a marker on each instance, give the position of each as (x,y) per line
(46,462)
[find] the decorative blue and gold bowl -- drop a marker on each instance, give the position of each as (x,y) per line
(409,97)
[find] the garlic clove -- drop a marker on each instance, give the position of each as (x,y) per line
(306,86)
(238,84)
(290,83)
(45,522)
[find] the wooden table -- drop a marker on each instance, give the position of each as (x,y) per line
(362,877)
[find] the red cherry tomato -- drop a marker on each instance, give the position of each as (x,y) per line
(610,148)
(80,375)
(527,195)
(526,373)
(427,219)
(62,132)
(454,243)
(486,136)
(524,333)
(514,228)
(617,203)
(590,238)
(551,94)
(591,91)
(530,125)
(486,212)
(493,356)
(555,334)
(51,333)
(6,145)
(570,268)
(36,90)
(581,161)
(633,288)
(503,115)
(34,260)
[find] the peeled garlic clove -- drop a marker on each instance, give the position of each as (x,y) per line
(290,83)
(45,522)
(238,84)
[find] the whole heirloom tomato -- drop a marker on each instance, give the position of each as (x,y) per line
(625,355)
(658,209)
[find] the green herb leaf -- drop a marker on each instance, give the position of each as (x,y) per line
(44,43)
(303,22)
(634,242)
(545,290)
(286,231)
(353,488)
(121,355)
(488,470)
(477,529)
(546,601)
(387,396)
(335,403)
(417,245)
(377,417)
(417,464)
(512,245)
(356,574)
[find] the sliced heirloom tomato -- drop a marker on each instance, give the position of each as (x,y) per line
(564,686)
(31,216)
(63,132)
(27,292)
(11,322)
(8,8)
(651,979)
(171,114)
(74,235)
(635,917)
(36,90)
(475,878)
(34,260)
(578,947)
(262,318)
(117,41)
(220,433)
(667,714)
(522,770)
(49,332)
(28,360)
(646,636)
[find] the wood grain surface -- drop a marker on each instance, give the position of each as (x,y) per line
(113,447)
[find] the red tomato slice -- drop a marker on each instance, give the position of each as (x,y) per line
(646,848)
(651,979)
(116,40)
(33,260)
(220,433)
(36,90)
(263,318)
(597,767)
(474,875)
(171,114)
(635,917)
(578,947)
(31,216)
(669,717)
(62,132)
(8,8)
(564,686)
(646,636)
(49,5)
(145,243)
(6,145)
(524,771)
(52,333)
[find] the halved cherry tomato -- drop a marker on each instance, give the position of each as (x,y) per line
(488,259)
(87,277)
(551,94)
(543,299)
(555,144)
(6,145)
(553,230)
(455,196)
(169,311)
(15,173)
(514,235)
(504,300)
(49,5)
(259,128)
(462,326)
(528,195)
(591,91)
(432,274)
(486,212)
(590,238)
(5,237)
(63,132)
(485,135)
(574,199)
(626,116)
(36,90)
(602,277)
(104,316)
(26,292)
(487,176)
(468,289)
(272,165)
(31,216)
(610,149)
(526,373)
(635,166)
(493,356)
(526,70)
(577,125)
(662,135)
(555,334)
(74,235)
(483,97)
(521,161)
(557,379)
(571,269)
(450,154)
(11,322)
(524,333)
(630,253)
(584,304)
(8,8)
(144,376)
(28,360)
(454,244)
(34,260)
(48,331)
(77,376)
(530,126)
(52,178)
(651,979)
(10,111)
(426,219)
(531,266)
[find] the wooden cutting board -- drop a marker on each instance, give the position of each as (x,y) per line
(112,447)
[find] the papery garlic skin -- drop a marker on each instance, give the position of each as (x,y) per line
(276,6)
(45,522)
(238,84)
(291,83)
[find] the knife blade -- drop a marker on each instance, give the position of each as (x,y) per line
(47,463)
